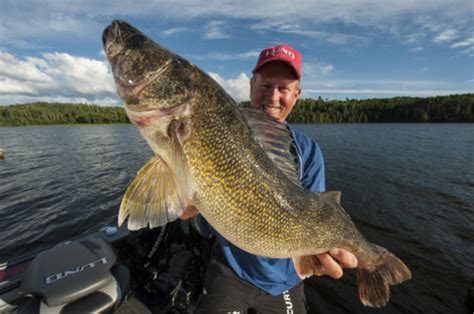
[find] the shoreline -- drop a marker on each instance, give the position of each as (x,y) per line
(65,124)
(293,123)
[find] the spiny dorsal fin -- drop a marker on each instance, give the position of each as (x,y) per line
(275,139)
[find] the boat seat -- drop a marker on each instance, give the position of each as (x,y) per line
(74,277)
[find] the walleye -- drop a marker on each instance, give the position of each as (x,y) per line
(233,164)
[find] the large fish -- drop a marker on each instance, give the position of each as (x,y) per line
(233,164)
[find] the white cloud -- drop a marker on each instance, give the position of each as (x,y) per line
(213,30)
(397,92)
(42,25)
(79,74)
(350,11)
(27,24)
(428,24)
(9,86)
(414,38)
(464,43)
(27,70)
(469,51)
(238,88)
(21,99)
(174,30)
(378,83)
(446,36)
(65,23)
(383,87)
(31,26)
(54,76)
(326,69)
(219,56)
(314,70)
(297,29)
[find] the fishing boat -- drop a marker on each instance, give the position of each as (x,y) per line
(114,270)
(158,270)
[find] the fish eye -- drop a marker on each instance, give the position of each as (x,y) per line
(136,41)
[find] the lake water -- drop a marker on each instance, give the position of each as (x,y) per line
(408,187)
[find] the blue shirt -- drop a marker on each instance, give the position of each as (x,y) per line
(276,275)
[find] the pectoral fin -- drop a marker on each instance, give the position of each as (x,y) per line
(154,197)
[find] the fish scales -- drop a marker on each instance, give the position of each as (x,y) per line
(260,208)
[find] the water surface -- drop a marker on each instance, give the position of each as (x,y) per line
(408,187)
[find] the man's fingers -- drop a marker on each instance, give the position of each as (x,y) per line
(330,265)
(334,261)
(345,258)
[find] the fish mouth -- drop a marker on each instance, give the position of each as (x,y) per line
(120,35)
(146,74)
(105,34)
(134,59)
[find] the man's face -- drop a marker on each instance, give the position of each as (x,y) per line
(274,89)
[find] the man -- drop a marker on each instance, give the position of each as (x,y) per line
(238,281)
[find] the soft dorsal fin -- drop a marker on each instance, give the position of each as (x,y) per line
(275,139)
(334,196)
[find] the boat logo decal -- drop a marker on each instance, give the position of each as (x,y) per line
(52,278)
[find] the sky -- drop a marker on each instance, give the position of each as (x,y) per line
(52,50)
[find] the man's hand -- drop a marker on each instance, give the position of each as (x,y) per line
(334,261)
(189,212)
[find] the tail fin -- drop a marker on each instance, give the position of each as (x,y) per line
(374,286)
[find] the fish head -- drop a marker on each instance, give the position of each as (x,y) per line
(148,77)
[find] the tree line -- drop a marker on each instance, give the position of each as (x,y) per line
(452,108)
(42,113)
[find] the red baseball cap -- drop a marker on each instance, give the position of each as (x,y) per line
(283,53)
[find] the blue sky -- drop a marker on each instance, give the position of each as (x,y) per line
(51,50)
